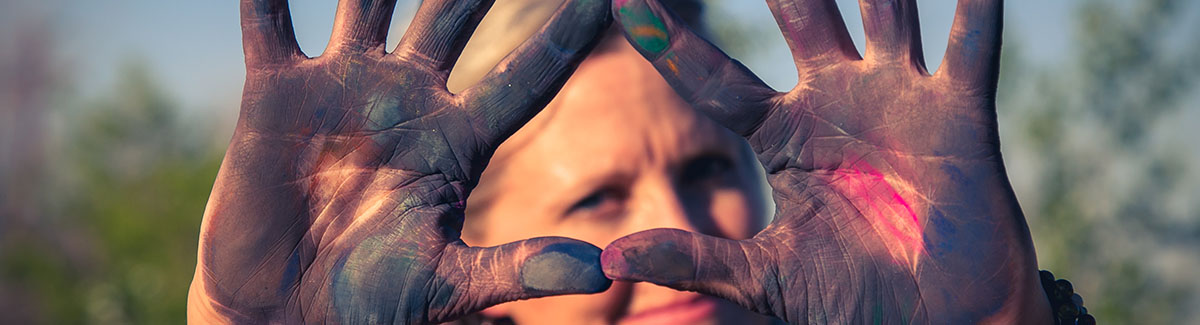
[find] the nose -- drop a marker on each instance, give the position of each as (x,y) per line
(661,204)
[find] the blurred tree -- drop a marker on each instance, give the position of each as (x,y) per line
(145,175)
(1109,193)
(128,190)
(27,80)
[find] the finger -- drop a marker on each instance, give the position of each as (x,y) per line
(267,35)
(538,267)
(973,52)
(814,30)
(361,24)
(699,72)
(730,269)
(440,29)
(892,30)
(525,80)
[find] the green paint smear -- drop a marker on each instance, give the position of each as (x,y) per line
(644,27)
(878,313)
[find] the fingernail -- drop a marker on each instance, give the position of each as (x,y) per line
(565,268)
(645,29)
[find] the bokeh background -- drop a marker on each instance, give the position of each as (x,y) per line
(114,116)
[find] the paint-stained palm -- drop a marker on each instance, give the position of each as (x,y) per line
(892,200)
(341,194)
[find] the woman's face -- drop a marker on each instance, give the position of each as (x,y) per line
(616,152)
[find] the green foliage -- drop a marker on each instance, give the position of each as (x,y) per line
(1096,170)
(130,184)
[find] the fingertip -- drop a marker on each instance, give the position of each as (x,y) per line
(613,263)
(595,8)
(645,28)
(656,256)
(584,22)
(564,268)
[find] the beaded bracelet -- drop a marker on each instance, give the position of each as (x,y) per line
(1067,306)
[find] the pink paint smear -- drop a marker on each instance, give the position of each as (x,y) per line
(891,215)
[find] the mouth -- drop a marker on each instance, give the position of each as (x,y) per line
(684,311)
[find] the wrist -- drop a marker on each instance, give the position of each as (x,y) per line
(1026,305)
(205,307)
(1065,305)
(202,309)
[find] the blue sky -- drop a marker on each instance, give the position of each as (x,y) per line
(194,47)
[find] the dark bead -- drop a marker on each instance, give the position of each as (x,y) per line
(1086,320)
(1068,311)
(1047,279)
(1063,290)
(1077,299)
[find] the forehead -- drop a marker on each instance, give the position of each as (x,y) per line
(615,112)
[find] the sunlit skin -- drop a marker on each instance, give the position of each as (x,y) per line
(893,204)
(616,152)
(341,195)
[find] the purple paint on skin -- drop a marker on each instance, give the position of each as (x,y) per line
(613,261)
(663,260)
(369,159)
(975,235)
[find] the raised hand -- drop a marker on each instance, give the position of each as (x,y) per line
(892,200)
(341,194)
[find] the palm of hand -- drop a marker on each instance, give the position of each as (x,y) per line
(341,194)
(892,199)
(900,178)
(371,155)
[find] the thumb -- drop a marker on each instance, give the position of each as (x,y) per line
(480,277)
(740,271)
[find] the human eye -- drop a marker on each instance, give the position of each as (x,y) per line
(604,201)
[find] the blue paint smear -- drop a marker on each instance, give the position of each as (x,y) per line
(970,46)
(582,261)
(946,235)
(956,174)
(341,288)
(291,273)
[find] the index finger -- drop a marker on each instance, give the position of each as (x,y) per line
(700,73)
(683,260)
(267,34)
(529,77)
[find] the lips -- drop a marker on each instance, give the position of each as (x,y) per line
(684,311)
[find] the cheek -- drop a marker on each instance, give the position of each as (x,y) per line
(733,214)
